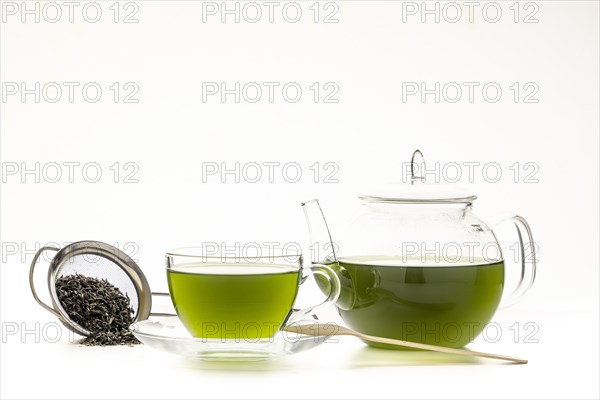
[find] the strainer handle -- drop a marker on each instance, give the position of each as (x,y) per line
(32,286)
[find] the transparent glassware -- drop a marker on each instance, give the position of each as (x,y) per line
(240,289)
(418,264)
(168,334)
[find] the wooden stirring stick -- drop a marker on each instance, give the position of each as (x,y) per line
(326,330)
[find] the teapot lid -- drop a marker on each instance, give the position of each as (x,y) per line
(418,191)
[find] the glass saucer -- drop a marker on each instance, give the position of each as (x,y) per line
(169,334)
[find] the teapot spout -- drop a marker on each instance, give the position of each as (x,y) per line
(322,248)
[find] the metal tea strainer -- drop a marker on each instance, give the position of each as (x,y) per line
(97,260)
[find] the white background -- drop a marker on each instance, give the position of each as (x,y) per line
(368,134)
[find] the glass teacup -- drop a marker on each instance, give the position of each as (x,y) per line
(241,292)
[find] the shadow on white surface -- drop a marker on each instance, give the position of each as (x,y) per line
(363,357)
(264,366)
(368,356)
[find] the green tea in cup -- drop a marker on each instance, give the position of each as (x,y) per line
(246,300)
(227,295)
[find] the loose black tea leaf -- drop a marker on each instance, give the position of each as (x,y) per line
(99,307)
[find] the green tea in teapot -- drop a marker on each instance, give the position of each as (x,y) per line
(445,304)
(423,299)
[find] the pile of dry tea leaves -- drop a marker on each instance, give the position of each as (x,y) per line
(99,307)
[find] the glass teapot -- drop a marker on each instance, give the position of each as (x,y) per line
(418,264)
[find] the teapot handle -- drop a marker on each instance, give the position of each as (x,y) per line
(527,255)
